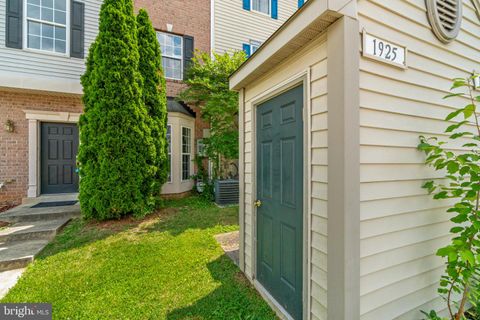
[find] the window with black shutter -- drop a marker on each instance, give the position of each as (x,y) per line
(172,54)
(45,26)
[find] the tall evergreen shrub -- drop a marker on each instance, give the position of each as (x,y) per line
(154,97)
(116,142)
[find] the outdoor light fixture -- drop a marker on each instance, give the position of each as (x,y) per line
(9,126)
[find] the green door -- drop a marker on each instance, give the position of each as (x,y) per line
(280,195)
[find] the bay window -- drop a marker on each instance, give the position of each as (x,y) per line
(169,141)
(186,152)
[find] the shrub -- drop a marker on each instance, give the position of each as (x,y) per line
(116,144)
(154,97)
(208,88)
(462,182)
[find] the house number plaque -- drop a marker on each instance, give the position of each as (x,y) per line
(384,51)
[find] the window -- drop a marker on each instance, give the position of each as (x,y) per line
(251,47)
(186,152)
(254,45)
(172,55)
(262,6)
(46,25)
(169,141)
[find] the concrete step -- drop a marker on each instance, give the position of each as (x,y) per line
(28,214)
(16,255)
(51,198)
(36,230)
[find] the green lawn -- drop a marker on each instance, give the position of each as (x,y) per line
(167,266)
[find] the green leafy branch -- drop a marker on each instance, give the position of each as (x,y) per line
(462,182)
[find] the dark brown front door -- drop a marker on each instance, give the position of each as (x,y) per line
(59,148)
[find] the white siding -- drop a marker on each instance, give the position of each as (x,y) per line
(313,57)
(401,226)
(28,64)
(234,26)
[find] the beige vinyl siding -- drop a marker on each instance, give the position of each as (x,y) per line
(28,63)
(313,58)
(401,226)
(234,26)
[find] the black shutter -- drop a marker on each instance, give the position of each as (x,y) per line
(77,30)
(188,50)
(14,16)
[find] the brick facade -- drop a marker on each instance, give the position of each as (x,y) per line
(190,18)
(14,146)
(187,18)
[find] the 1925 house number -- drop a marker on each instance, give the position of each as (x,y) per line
(384,51)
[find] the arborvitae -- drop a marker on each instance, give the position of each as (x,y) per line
(116,142)
(154,96)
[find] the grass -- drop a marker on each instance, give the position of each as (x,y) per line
(167,266)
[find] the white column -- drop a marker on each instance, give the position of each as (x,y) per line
(33,189)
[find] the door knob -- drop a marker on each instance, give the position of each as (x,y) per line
(258,203)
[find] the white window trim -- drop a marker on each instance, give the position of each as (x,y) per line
(67,32)
(269,14)
(172,57)
(182,154)
(170,175)
(254,43)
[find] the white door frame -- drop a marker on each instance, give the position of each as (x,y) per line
(35,118)
(304,79)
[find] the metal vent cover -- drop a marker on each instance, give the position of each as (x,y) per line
(445,17)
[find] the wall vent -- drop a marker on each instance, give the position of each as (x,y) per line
(445,17)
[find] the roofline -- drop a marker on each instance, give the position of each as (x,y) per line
(292,28)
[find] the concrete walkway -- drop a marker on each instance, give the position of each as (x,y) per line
(30,230)
(230,244)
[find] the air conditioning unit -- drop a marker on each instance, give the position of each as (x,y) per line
(227,192)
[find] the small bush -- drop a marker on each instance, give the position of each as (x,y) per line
(459,284)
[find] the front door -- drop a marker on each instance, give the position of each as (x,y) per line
(58,158)
(280,199)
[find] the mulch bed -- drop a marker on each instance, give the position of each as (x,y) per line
(129,221)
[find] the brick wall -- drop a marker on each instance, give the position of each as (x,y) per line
(190,18)
(14,146)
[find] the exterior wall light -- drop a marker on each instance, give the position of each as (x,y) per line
(9,126)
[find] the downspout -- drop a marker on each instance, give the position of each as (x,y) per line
(212,27)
